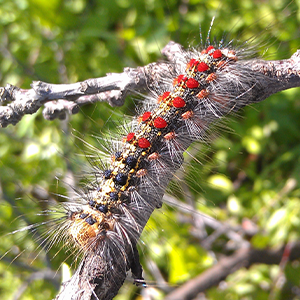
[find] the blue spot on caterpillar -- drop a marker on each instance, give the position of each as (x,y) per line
(159,160)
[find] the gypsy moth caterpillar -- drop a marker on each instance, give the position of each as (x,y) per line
(173,146)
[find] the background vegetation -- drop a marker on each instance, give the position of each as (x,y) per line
(249,177)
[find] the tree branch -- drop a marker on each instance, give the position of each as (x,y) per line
(243,258)
(60,99)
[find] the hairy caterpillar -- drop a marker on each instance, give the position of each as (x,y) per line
(176,159)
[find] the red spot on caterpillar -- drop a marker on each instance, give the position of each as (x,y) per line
(130,136)
(178,102)
(153,156)
(202,67)
(192,83)
(217,54)
(160,123)
(211,77)
(193,62)
(178,79)
(209,48)
(141,173)
(187,115)
(143,143)
(202,94)
(163,97)
(146,116)
(170,136)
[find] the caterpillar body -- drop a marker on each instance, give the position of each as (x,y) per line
(109,217)
(186,98)
(172,121)
(149,155)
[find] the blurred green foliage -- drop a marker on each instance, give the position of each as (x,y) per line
(251,171)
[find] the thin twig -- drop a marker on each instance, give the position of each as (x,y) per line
(243,258)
